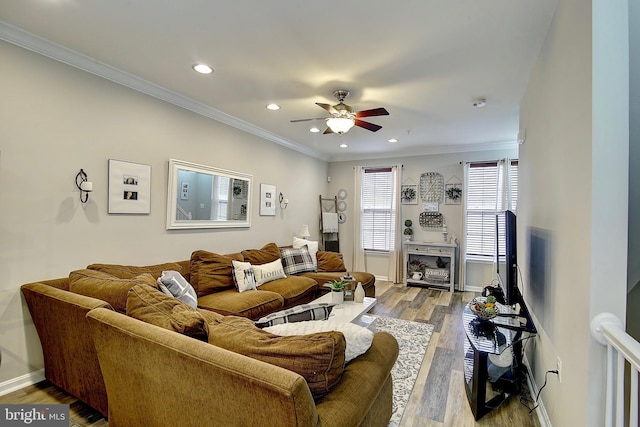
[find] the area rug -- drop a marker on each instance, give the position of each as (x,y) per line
(413,339)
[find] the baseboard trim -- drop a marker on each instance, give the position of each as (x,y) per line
(473,289)
(14,384)
(541,411)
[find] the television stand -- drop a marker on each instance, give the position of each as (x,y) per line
(487,385)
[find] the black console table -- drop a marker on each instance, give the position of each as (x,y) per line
(500,340)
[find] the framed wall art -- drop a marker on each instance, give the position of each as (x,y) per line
(453,194)
(267,200)
(409,194)
(129,188)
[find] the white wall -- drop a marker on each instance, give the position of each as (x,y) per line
(451,166)
(56,120)
(572,209)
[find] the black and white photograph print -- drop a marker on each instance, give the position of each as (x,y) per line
(129,188)
(130,180)
(267,205)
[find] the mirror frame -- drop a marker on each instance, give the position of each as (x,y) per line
(172,197)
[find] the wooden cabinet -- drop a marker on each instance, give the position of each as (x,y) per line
(430,264)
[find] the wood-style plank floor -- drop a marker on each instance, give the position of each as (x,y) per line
(438,397)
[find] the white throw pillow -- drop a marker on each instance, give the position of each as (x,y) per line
(267,272)
(358,339)
(311,246)
(243,276)
(172,283)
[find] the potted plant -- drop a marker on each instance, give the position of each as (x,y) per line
(408,231)
(337,290)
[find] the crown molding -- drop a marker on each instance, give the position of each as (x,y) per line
(431,150)
(34,43)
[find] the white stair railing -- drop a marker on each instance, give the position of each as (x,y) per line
(622,348)
(183,215)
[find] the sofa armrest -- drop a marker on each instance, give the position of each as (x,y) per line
(70,359)
(158,377)
(361,390)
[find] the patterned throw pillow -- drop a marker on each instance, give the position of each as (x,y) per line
(297,260)
(300,313)
(311,245)
(243,276)
(267,272)
(172,283)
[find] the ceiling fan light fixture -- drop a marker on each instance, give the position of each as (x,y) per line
(340,125)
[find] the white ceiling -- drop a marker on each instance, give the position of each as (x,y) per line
(423,60)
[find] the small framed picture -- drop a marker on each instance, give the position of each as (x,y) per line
(409,194)
(129,188)
(267,200)
(453,194)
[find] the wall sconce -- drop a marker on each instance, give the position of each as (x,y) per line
(84,185)
(304,231)
(283,202)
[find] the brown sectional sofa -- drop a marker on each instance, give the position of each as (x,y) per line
(71,360)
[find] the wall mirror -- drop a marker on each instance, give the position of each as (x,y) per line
(207,197)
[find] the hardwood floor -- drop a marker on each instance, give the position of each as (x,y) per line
(438,397)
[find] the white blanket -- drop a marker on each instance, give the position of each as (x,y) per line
(329,222)
(358,339)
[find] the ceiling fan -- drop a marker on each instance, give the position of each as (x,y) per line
(344,118)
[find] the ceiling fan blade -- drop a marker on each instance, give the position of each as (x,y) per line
(328,107)
(373,112)
(308,120)
(367,125)
(327,131)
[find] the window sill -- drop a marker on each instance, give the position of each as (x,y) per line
(479,259)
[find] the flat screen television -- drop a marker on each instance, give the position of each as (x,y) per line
(506,256)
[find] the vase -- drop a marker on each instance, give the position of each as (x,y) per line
(337,297)
(358,295)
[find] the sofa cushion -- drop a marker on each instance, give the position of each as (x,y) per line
(152,306)
(358,339)
(330,261)
(104,286)
(296,260)
(243,276)
(211,272)
(172,283)
(318,357)
(299,313)
(130,271)
(294,290)
(268,272)
(311,245)
(251,304)
(268,253)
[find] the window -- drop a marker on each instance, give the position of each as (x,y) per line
(378,209)
(491,187)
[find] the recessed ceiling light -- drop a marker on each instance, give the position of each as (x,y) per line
(343,145)
(314,130)
(203,69)
(273,107)
(393,140)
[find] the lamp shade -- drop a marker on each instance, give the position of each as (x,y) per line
(340,124)
(304,231)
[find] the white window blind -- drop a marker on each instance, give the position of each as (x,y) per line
(486,196)
(378,211)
